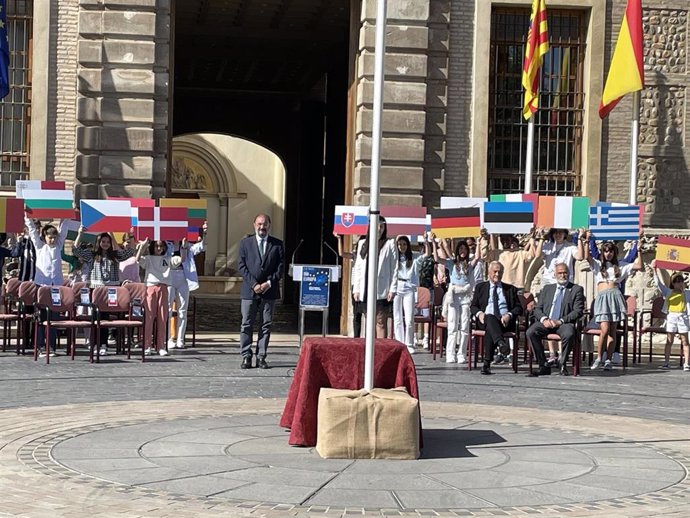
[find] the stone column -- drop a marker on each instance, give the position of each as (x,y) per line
(222,233)
(405,97)
(123,95)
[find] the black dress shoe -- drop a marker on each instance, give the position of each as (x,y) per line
(246,362)
(545,370)
(564,371)
(503,347)
(261,363)
(486,369)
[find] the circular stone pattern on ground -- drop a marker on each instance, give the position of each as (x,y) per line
(465,464)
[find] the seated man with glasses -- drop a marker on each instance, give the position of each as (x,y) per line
(559,307)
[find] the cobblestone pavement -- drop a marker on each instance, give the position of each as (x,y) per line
(68,428)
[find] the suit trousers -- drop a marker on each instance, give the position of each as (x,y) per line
(250,308)
(537,332)
(494,329)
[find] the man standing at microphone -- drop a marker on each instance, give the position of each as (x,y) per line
(261,264)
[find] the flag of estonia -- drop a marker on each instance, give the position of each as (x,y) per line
(508,217)
(464,222)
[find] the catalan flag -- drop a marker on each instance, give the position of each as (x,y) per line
(537,46)
(626,73)
(464,222)
(673,253)
(11,215)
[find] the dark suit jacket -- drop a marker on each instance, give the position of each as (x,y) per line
(255,271)
(481,299)
(572,307)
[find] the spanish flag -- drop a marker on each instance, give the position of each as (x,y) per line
(673,254)
(537,46)
(626,74)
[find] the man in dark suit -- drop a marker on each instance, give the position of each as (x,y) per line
(496,307)
(559,308)
(261,264)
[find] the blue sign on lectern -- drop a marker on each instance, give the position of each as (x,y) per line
(314,288)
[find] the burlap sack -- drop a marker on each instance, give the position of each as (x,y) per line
(356,424)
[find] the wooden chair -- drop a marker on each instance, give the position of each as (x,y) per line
(10,313)
(655,315)
(137,299)
(424,310)
(477,343)
(65,308)
(624,327)
(121,307)
(26,295)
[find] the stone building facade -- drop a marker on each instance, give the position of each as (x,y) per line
(102,89)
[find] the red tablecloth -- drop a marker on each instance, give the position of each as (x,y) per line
(339,363)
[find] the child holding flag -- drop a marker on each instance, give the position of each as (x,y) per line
(677,309)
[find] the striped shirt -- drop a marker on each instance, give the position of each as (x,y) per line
(104,272)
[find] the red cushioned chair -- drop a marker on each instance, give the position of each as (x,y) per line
(120,310)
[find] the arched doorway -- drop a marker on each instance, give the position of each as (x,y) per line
(238,179)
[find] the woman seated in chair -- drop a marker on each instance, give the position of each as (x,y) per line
(609,304)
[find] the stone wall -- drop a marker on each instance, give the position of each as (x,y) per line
(457,166)
(62,92)
(405,99)
(122,115)
(664,154)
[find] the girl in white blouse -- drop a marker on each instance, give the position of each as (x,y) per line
(404,300)
(609,304)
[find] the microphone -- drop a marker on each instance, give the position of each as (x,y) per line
(337,263)
(292,261)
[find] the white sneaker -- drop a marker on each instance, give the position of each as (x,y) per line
(148,351)
(596,364)
(410,348)
(180,345)
(425,343)
(686,367)
(451,359)
(112,340)
(103,352)
(171,344)
(41,355)
(616,360)
(608,365)
(462,359)
(162,352)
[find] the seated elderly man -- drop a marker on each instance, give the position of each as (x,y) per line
(559,307)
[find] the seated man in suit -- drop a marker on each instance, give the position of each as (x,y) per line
(559,308)
(496,306)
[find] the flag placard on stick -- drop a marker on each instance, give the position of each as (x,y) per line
(537,46)
(166,223)
(458,202)
(532,198)
(11,215)
(615,223)
(49,204)
(351,220)
(508,217)
(626,74)
(409,221)
(563,212)
(37,185)
(673,254)
(196,213)
(106,215)
(463,222)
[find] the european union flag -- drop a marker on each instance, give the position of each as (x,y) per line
(4,52)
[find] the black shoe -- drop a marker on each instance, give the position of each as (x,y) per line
(503,347)
(545,370)
(564,371)
(261,363)
(246,362)
(486,369)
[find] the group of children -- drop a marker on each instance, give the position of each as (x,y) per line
(169,274)
(461,268)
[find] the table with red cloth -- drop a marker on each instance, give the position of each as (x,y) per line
(339,363)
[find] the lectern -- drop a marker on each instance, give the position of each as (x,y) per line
(314,292)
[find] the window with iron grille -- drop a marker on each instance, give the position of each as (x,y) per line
(558,126)
(15,109)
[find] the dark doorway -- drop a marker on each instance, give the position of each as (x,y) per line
(274,72)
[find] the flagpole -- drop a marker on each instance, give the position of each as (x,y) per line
(529,155)
(635,139)
(373,253)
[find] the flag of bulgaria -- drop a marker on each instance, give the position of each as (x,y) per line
(563,212)
(49,204)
